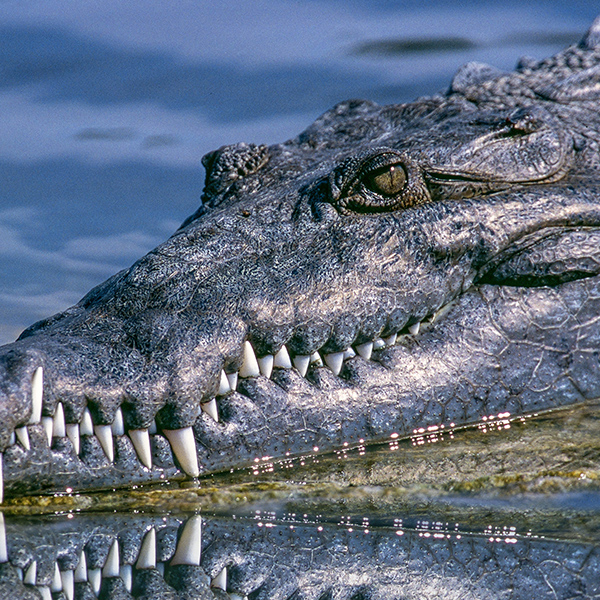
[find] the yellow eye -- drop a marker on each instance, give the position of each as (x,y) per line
(387,181)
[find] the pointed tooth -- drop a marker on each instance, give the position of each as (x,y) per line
(183,445)
(95,579)
(111,566)
(118,428)
(301,362)
(224,387)
(334,361)
(378,344)
(81,570)
(104,435)
(86,427)
(125,573)
(190,542)
(233,379)
(68,584)
(249,366)
(349,353)
(58,425)
(265,364)
(30,576)
(315,359)
(73,434)
(160,567)
(23,437)
(282,358)
(48,425)
(56,585)
(3,548)
(37,394)
(20,573)
(391,339)
(140,438)
(44,592)
(13,439)
(365,350)
(414,329)
(152,429)
(220,581)
(210,408)
(147,556)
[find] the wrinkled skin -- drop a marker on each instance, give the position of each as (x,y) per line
(478,210)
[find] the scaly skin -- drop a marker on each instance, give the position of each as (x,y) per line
(479,209)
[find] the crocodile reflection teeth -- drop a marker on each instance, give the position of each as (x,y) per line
(118,428)
(365,350)
(126,574)
(13,439)
(334,361)
(390,340)
(315,359)
(58,425)
(378,344)
(86,426)
(111,566)
(210,408)
(140,438)
(56,585)
(232,379)
(95,579)
(81,569)
(152,429)
(414,329)
(147,556)
(37,393)
(301,362)
(190,542)
(3,547)
(249,366)
(22,434)
(73,434)
(105,437)
(31,574)
(282,359)
(183,445)
(220,581)
(68,584)
(265,364)
(224,386)
(48,425)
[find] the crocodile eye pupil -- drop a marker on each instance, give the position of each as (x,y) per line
(387,181)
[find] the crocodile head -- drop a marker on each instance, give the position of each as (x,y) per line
(391,269)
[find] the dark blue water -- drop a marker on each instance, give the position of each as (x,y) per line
(108,107)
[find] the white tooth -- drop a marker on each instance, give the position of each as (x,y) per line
(190,542)
(56,585)
(147,556)
(13,439)
(334,361)
(141,442)
(391,340)
(117,426)
(378,344)
(48,425)
(265,364)
(31,574)
(183,445)
(3,549)
(220,581)
(125,574)
(1,478)
(23,437)
(44,592)
(111,566)
(104,435)
(282,359)
(232,378)
(20,573)
(414,329)
(224,387)
(301,362)
(315,359)
(160,567)
(349,353)
(81,570)
(210,408)
(152,429)
(86,427)
(249,366)
(37,393)
(234,596)
(73,435)
(365,350)
(58,427)
(68,585)
(95,579)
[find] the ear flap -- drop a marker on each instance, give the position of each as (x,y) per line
(584,85)
(549,257)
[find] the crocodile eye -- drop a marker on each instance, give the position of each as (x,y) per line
(389,180)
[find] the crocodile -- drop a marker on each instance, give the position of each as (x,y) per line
(391,270)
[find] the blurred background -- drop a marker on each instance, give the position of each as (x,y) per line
(107,107)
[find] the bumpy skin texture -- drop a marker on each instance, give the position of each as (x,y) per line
(485,200)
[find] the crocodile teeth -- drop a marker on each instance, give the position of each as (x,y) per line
(210,408)
(378,344)
(315,359)
(81,570)
(22,434)
(232,379)
(414,329)
(68,584)
(13,439)
(365,350)
(190,542)
(265,364)
(95,579)
(140,438)
(56,585)
(31,574)
(183,445)
(220,581)
(249,366)
(152,429)
(48,425)
(87,426)
(37,393)
(125,573)
(73,434)
(147,556)
(118,428)
(282,359)
(111,566)
(3,549)
(349,353)
(301,362)
(391,340)
(58,425)
(45,592)
(224,386)
(334,361)
(104,435)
